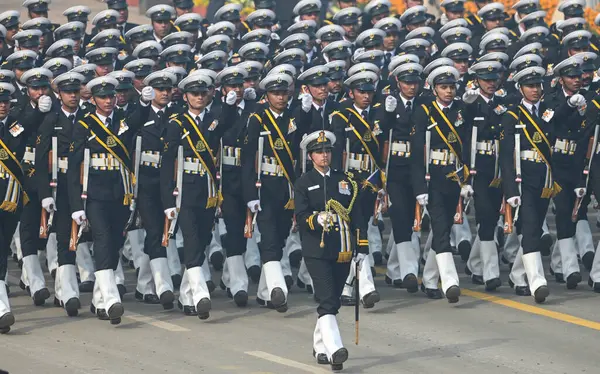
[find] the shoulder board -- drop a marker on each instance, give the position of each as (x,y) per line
(556,36)
(594,47)
(173,115)
(468,19)
(513,33)
(89,45)
(377,105)
(86,115)
(327,22)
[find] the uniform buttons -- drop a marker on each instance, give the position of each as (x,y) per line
(337,229)
(362,149)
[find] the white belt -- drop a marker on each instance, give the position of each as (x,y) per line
(485,146)
(3,173)
(531,155)
(565,146)
(193,166)
(63,164)
(271,169)
(360,162)
(401,148)
(231,156)
(111,163)
(29,156)
(442,157)
(231,161)
(150,158)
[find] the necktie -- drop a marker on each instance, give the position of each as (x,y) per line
(198,121)
(388,57)
(446,110)
(534,110)
(320,110)
(364,114)
(108,123)
(408,106)
(72,118)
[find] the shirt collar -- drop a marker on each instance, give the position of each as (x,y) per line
(103,119)
(359,111)
(321,106)
(67,113)
(404,100)
(529,106)
(328,174)
(485,98)
(156,110)
(275,115)
(242,104)
(201,115)
(442,105)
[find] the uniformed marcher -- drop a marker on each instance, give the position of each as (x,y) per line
(161,16)
(194,136)
(441,139)
(10,20)
(100,158)
(332,228)
(53,149)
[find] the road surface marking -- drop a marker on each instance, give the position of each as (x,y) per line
(156,323)
(287,362)
(533,309)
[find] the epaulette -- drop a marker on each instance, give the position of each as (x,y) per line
(385,90)
(594,47)
(90,45)
(556,36)
(550,69)
(469,21)
(554,82)
(327,22)
(173,115)
(377,105)
(471,85)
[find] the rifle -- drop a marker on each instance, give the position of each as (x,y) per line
(136,165)
(249,225)
(46,218)
(588,158)
(77,230)
(356,293)
(170,224)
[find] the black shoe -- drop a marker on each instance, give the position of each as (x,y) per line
(321,358)
(377,258)
(477,279)
(222,285)
(373,272)
(86,287)
(464,249)
(452,294)
(309,289)
(53,274)
(122,290)
(101,314)
(559,278)
(398,283)
(72,307)
(522,291)
(411,283)
(432,293)
(541,294)
(425,223)
(281,309)
(300,284)
(57,303)
(166,300)
(573,280)
(229,295)
(551,271)
(289,281)
(6,321)
(203,308)
(338,358)
(370,299)
(295,258)
(254,273)
(492,284)
(188,310)
(468,271)
(22,285)
(241,298)
(216,259)
(151,299)
(40,296)
(588,260)
(260,301)
(500,237)
(595,286)
(176,279)
(211,286)
(545,244)
(388,280)
(277,297)
(115,312)
(347,300)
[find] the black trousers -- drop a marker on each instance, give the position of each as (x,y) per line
(62,224)
(29,230)
(152,213)
(8,225)
(107,219)
(487,206)
(531,217)
(402,211)
(443,198)
(328,278)
(564,202)
(274,223)
(196,227)
(234,215)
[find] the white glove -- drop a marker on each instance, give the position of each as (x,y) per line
(466,191)
(423,199)
(44,103)
(576,100)
(322,218)
(249,93)
(360,257)
(579,192)
(274,36)
(443,19)
(514,201)
(470,96)
(254,206)
(390,104)
(49,204)
(171,213)
(148,94)
(79,217)
(231,98)
(307,101)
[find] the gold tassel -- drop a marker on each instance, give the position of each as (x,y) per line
(556,188)
(220,198)
(365,183)
(9,206)
(546,193)
(290,204)
(127,198)
(25,198)
(496,182)
(211,202)
(344,257)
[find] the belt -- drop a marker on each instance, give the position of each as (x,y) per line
(565,146)
(360,162)
(531,155)
(271,168)
(231,156)
(3,173)
(150,158)
(442,157)
(29,156)
(104,161)
(63,164)
(485,147)
(193,166)
(401,148)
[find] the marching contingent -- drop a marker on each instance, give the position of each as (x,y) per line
(256,148)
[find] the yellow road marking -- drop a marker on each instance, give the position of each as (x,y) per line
(156,323)
(533,309)
(287,362)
